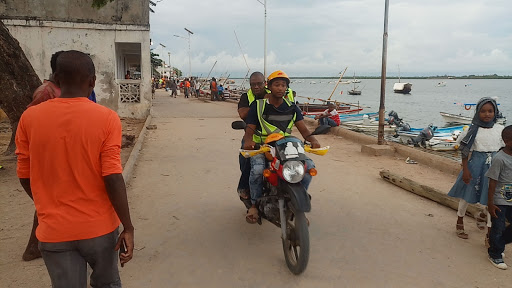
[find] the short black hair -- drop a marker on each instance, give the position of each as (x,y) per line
(506,134)
(257,73)
(74,67)
(53,61)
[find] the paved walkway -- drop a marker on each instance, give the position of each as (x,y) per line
(191,232)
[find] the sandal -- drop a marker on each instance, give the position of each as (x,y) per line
(481,220)
(252,215)
(460,231)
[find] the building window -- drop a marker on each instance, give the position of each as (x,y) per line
(129,92)
(128,60)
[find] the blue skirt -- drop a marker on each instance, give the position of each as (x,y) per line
(476,190)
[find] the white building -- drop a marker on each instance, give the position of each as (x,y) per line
(115,36)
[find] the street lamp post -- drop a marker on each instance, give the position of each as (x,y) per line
(264,3)
(170,66)
(189,62)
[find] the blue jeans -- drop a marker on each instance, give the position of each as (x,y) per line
(256,176)
(500,235)
(245,168)
(327,121)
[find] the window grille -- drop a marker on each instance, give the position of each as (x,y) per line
(129,93)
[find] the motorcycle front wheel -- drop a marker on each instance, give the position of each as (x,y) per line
(296,246)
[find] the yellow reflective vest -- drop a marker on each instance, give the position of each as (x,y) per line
(287,120)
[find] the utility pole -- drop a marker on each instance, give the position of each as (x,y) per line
(382,108)
(170,66)
(264,3)
(189,61)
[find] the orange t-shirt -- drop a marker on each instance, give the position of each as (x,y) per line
(48,90)
(187,84)
(65,146)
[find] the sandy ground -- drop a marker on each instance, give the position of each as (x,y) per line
(191,231)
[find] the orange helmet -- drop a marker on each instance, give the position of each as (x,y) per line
(278,75)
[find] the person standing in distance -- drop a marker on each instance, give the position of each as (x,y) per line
(69,163)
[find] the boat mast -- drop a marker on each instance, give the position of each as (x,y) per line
(337,83)
(398,73)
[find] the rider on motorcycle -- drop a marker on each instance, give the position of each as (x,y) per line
(272,115)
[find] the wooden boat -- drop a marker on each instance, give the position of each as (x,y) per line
(343,112)
(306,107)
(461,119)
(367,124)
(354,90)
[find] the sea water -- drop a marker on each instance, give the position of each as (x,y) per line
(419,108)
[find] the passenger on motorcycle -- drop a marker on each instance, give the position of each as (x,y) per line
(272,115)
(257,91)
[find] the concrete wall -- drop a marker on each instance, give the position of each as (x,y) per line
(132,12)
(40,39)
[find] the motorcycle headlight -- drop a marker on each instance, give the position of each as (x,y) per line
(293,171)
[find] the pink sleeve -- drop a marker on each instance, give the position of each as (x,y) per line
(22,150)
(111,150)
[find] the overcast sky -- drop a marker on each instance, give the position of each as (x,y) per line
(322,37)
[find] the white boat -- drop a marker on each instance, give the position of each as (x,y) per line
(443,142)
(435,144)
(312,82)
(441,84)
(356,81)
(459,118)
(345,82)
(402,87)
(367,124)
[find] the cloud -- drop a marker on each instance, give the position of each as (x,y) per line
(321,38)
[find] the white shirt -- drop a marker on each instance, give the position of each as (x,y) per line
(487,139)
(332,113)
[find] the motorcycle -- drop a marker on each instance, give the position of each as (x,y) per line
(285,201)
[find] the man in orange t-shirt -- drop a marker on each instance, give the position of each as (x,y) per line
(69,163)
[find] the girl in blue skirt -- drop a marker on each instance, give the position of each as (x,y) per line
(482,140)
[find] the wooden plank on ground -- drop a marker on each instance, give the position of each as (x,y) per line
(427,192)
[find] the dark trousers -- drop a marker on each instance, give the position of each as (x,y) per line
(66,262)
(245,168)
(500,234)
(327,121)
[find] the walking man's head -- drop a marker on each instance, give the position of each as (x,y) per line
(75,74)
(53,63)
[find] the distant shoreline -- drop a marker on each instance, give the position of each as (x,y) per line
(406,77)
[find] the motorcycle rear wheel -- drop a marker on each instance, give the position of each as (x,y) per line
(296,246)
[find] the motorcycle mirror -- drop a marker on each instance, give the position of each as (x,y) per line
(238,125)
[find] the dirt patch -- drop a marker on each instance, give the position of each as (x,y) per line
(131,131)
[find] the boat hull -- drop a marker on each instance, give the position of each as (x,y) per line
(354,92)
(454,118)
(402,88)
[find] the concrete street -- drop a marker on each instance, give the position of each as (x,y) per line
(191,231)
